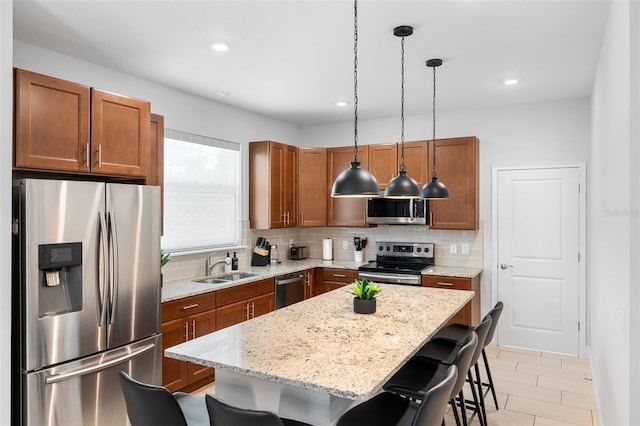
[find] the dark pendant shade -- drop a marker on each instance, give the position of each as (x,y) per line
(402,186)
(355,182)
(434,190)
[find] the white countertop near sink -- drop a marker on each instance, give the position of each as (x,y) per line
(173,290)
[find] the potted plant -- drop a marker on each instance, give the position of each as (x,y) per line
(364,301)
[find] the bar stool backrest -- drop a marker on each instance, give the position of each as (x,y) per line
(463,362)
(149,404)
(221,414)
(431,410)
(495,316)
(482,330)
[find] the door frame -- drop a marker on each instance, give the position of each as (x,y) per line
(582,246)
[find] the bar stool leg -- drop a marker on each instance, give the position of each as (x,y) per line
(479,384)
(486,367)
(455,411)
(463,409)
(476,400)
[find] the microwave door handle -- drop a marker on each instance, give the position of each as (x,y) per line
(114,248)
(412,217)
(102,284)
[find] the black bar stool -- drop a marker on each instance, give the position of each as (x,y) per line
(418,375)
(444,350)
(390,409)
(457,331)
(154,405)
(222,414)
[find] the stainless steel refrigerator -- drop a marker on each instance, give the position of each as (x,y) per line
(86,284)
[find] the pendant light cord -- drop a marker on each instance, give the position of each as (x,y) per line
(355,80)
(402,167)
(434,124)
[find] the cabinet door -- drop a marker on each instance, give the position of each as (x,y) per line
(174,372)
(199,325)
(457,168)
(470,313)
(383,162)
(309,283)
(277,216)
(120,129)
(156,149)
(232,314)
(416,161)
(261,305)
(312,185)
(290,186)
(51,123)
(344,211)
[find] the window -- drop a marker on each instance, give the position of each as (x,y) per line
(201,192)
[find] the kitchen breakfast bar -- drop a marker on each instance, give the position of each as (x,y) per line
(313,360)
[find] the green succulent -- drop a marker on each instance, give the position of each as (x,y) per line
(365,289)
(164,257)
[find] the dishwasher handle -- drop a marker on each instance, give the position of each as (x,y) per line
(288,279)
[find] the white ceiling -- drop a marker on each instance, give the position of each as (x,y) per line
(292,60)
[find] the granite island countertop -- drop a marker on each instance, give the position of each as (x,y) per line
(320,344)
(174,290)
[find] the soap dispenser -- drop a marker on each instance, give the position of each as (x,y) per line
(227,264)
(234,262)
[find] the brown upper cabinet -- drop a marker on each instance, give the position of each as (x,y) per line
(273,193)
(312,186)
(156,149)
(457,168)
(416,161)
(344,211)
(383,162)
(68,127)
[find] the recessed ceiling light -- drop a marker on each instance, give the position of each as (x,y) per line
(342,103)
(220,46)
(511,82)
(223,93)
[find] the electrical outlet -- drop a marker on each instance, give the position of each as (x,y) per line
(465,248)
(345,244)
(453,249)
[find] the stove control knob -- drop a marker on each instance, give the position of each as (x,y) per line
(381,248)
(418,249)
(388,248)
(426,249)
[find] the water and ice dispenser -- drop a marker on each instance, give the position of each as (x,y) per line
(60,289)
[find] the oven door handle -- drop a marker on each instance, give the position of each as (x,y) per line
(392,278)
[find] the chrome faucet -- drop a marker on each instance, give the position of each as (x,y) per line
(211,265)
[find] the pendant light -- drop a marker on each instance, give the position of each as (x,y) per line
(434,190)
(355,181)
(402,186)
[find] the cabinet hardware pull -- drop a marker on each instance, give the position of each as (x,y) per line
(253,310)
(430,218)
(195,305)
(445,284)
(186,331)
(87,150)
(340,275)
(246,308)
(99,155)
(301,218)
(193,329)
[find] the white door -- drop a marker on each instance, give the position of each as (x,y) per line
(538,266)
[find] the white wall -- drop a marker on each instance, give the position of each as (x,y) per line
(182,111)
(552,133)
(613,220)
(6,105)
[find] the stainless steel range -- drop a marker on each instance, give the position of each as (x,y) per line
(398,263)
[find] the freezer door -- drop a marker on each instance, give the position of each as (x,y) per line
(134,240)
(87,392)
(60,320)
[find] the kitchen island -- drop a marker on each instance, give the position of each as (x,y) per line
(313,360)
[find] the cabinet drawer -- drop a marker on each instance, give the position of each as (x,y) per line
(188,306)
(341,275)
(454,283)
(244,292)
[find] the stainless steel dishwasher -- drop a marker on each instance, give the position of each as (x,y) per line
(289,289)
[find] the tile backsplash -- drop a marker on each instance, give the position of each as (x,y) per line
(188,266)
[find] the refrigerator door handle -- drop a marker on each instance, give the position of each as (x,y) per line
(98,367)
(114,247)
(102,286)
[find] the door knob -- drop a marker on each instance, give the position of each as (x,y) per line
(505,266)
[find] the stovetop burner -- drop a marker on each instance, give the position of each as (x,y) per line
(410,269)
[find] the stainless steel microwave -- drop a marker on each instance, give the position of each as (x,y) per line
(393,211)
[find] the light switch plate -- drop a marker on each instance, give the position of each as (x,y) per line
(345,245)
(465,248)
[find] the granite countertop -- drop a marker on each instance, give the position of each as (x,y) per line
(320,344)
(174,290)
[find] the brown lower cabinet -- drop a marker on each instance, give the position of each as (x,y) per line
(183,320)
(331,279)
(310,282)
(470,313)
(243,302)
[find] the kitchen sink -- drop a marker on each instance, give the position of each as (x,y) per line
(226,278)
(237,276)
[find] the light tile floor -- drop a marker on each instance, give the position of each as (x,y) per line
(533,389)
